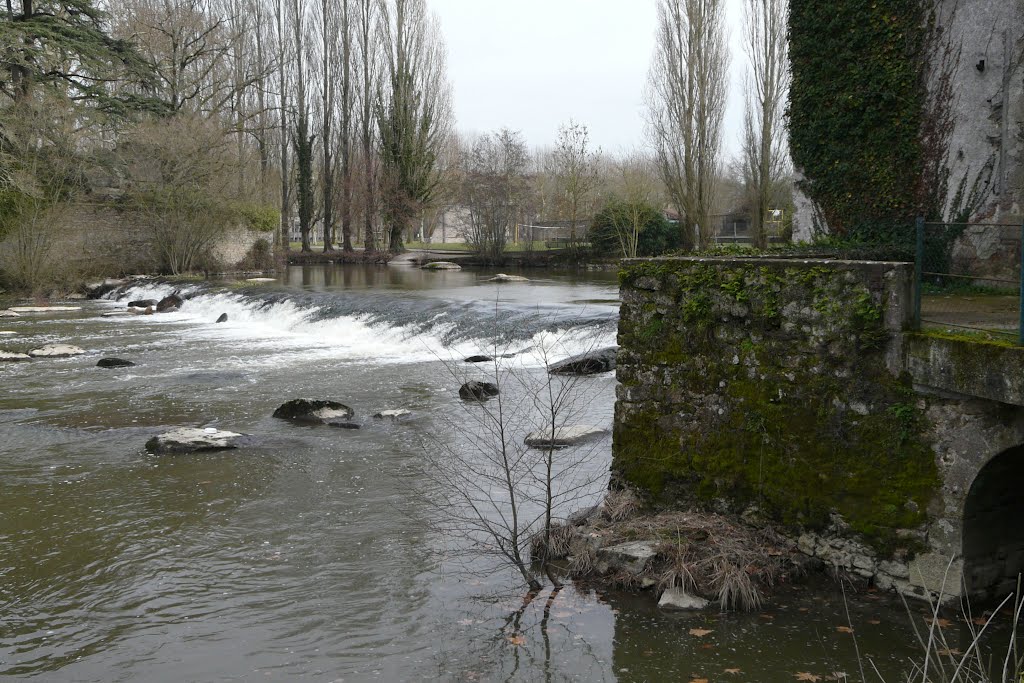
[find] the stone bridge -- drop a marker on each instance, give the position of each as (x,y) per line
(796,392)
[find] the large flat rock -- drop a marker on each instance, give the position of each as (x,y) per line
(44,309)
(563,437)
(192,440)
(631,557)
(13,357)
(56,351)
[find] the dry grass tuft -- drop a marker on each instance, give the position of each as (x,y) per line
(706,554)
(620,505)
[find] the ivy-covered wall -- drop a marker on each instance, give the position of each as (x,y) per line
(768,383)
(856,113)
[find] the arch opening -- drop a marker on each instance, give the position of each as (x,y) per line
(993,531)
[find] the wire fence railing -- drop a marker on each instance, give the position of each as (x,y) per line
(970,277)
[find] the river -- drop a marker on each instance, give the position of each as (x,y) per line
(302,556)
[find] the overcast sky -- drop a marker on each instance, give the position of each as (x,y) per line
(530,65)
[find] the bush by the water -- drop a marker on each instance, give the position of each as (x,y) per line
(656,235)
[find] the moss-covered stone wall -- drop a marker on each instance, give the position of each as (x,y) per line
(770,383)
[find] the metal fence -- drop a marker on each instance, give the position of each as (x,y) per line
(970,276)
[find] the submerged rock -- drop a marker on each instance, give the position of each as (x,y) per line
(677,598)
(481,391)
(442,265)
(502,277)
(344,425)
(479,359)
(56,351)
(223,318)
(13,357)
(315,412)
(142,303)
(169,303)
(563,437)
(114,363)
(592,363)
(392,414)
(192,440)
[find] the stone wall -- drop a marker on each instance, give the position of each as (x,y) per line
(777,389)
(104,238)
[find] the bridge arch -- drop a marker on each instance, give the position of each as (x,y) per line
(993,527)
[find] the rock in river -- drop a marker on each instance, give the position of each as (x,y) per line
(142,303)
(563,437)
(479,359)
(442,265)
(56,351)
(502,277)
(114,363)
(44,309)
(9,314)
(677,598)
(223,318)
(12,357)
(315,412)
(392,414)
(592,363)
(192,440)
(481,391)
(169,303)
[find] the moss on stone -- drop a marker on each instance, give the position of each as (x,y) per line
(779,398)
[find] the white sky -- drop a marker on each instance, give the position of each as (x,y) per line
(530,65)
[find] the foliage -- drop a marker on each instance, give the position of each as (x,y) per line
(181,174)
(656,235)
(66,48)
(493,189)
(856,113)
(258,217)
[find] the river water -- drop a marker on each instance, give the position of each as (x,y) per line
(302,555)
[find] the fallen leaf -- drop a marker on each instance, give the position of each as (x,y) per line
(874,622)
(517,640)
(844,629)
(700,632)
(940,622)
(707,646)
(734,671)
(979,621)
(767,616)
(949,652)
(804,609)
(699,680)
(804,676)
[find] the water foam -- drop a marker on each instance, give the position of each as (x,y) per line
(283,326)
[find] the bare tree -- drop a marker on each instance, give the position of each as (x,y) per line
(501,489)
(303,137)
(576,170)
(765,157)
(415,119)
(634,191)
(368,76)
(686,98)
(494,184)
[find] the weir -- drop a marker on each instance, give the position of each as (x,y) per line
(795,391)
